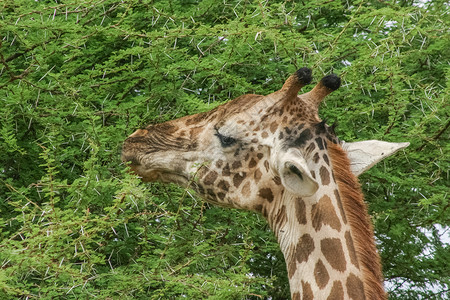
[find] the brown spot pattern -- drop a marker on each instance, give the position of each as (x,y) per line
(323,213)
(277,180)
(341,207)
(226,170)
(237,179)
(210,178)
(311,148)
(252,163)
(304,248)
(266,193)
(266,165)
(351,249)
(355,287)
(300,210)
(321,274)
(273,127)
(211,193)
(307,291)
(316,158)
(296,296)
(324,175)
(292,267)
(223,185)
(337,291)
(237,164)
(257,175)
(219,163)
(333,252)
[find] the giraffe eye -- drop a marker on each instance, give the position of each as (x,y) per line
(225,141)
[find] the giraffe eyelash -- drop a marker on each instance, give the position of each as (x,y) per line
(225,141)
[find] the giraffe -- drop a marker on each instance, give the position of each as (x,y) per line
(273,155)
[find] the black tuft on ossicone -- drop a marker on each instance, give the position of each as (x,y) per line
(331,81)
(304,75)
(321,127)
(333,128)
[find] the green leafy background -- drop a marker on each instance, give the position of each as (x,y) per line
(77,77)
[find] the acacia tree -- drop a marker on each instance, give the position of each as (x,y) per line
(77,77)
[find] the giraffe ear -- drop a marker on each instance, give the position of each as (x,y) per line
(365,154)
(295,175)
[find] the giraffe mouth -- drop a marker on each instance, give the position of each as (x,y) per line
(152,169)
(159,175)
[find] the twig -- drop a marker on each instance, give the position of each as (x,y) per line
(435,137)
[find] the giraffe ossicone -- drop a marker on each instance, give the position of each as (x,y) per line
(273,154)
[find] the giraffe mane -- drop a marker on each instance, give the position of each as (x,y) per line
(360,223)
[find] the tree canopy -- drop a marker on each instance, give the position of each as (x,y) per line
(78,76)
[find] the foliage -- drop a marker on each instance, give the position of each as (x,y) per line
(77,77)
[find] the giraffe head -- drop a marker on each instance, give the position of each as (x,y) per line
(253,146)
(274,155)
(244,152)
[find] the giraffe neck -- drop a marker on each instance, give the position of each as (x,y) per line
(329,253)
(360,223)
(318,250)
